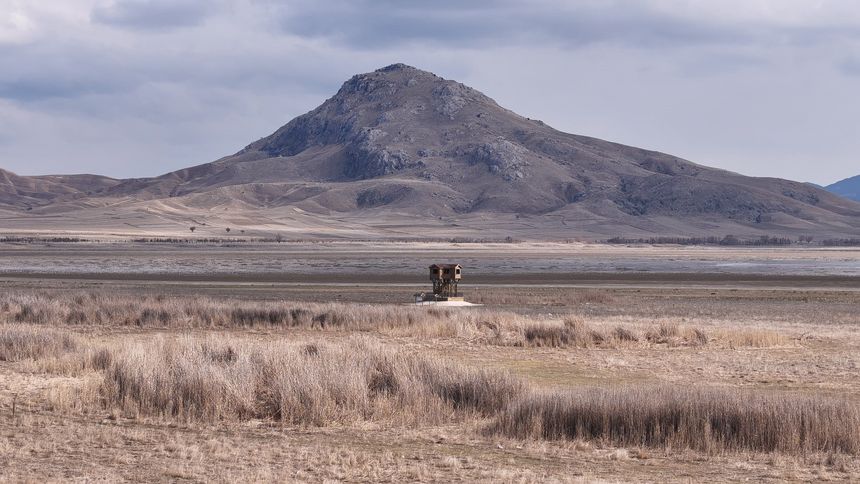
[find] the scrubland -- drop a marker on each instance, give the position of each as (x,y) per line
(608,386)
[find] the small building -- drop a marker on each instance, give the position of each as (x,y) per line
(445,278)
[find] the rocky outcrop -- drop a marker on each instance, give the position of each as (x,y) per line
(502,157)
(369,157)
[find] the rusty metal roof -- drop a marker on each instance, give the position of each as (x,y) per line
(445,266)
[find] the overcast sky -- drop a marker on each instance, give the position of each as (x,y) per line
(133,88)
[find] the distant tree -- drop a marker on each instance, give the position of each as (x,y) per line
(243,231)
(192,228)
(227,229)
(279,238)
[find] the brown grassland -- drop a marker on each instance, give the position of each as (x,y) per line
(547,384)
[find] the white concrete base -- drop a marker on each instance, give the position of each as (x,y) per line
(446,303)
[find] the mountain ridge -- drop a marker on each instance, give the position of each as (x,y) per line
(848,188)
(401,146)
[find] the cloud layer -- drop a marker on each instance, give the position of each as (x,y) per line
(141,87)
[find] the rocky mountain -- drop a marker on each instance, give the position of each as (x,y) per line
(848,188)
(400,152)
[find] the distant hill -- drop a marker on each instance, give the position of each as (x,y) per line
(26,192)
(848,188)
(402,153)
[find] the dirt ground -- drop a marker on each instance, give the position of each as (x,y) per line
(817,353)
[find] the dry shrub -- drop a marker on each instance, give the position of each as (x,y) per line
(753,338)
(707,420)
(700,337)
(593,297)
(19,342)
(572,332)
(623,334)
(665,333)
(315,384)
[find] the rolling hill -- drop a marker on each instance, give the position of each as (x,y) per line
(848,188)
(402,153)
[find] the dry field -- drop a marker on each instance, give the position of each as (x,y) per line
(546,384)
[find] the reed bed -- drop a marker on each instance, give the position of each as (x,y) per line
(704,419)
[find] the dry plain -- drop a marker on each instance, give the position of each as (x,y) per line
(301,362)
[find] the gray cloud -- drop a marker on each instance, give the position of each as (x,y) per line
(135,88)
(153,14)
(850,66)
(379,24)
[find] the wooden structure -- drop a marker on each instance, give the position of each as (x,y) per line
(445,278)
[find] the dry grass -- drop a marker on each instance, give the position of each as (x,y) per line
(753,338)
(298,383)
(228,378)
(576,333)
(707,420)
(543,296)
(591,296)
(477,324)
(94,309)
(19,342)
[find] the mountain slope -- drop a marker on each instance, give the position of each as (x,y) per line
(848,188)
(27,192)
(403,152)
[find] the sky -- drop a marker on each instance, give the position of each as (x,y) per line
(133,88)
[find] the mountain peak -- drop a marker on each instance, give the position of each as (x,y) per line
(403,151)
(407,136)
(398,67)
(386,121)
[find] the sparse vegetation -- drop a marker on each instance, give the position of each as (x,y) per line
(841,243)
(13,239)
(728,240)
(703,419)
